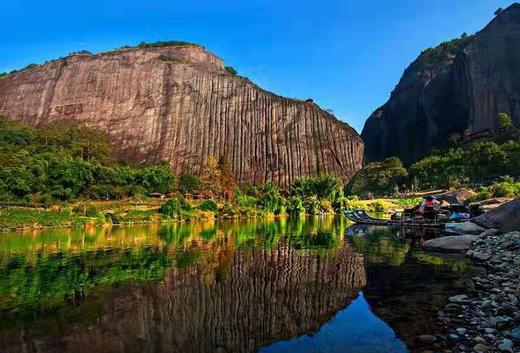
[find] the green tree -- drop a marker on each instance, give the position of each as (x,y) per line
(227,178)
(189,183)
(379,178)
(486,161)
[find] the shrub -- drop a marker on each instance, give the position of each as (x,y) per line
(208,205)
(340,204)
(505,187)
(482,194)
(228,210)
(312,205)
(170,43)
(377,206)
(231,70)
(326,206)
(189,183)
(114,218)
(295,205)
(379,178)
(105,192)
(170,208)
(245,201)
(270,199)
(91,211)
(176,208)
(169,59)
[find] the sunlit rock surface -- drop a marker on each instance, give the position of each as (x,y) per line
(179,104)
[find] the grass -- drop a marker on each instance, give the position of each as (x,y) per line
(17,218)
(82,213)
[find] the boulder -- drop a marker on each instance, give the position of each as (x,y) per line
(464,228)
(453,243)
(455,197)
(505,218)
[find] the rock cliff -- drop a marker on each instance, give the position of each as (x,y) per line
(179,104)
(456,88)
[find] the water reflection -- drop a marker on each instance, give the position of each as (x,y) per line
(231,286)
(355,328)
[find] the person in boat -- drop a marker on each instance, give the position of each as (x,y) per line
(429,201)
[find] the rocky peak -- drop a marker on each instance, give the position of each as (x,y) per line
(456,88)
(507,20)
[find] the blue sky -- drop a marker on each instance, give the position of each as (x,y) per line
(347,55)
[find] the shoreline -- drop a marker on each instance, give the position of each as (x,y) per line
(485,316)
(94,224)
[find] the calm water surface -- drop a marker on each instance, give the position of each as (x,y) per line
(283,285)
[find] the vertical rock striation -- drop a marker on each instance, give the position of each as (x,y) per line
(179,104)
(247,300)
(459,87)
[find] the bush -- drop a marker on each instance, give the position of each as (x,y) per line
(170,59)
(245,201)
(377,206)
(170,208)
(326,206)
(340,204)
(105,192)
(231,70)
(312,205)
(295,205)
(228,210)
(379,178)
(208,205)
(483,193)
(176,208)
(91,211)
(189,183)
(270,199)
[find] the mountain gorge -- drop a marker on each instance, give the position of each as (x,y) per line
(177,102)
(450,91)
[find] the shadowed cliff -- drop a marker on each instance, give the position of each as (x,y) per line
(458,87)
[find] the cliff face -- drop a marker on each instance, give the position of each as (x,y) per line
(456,88)
(179,104)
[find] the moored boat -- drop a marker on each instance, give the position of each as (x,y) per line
(361,217)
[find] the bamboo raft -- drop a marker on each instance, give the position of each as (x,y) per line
(361,217)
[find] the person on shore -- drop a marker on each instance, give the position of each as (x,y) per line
(429,201)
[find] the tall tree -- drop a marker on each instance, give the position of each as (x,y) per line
(227,178)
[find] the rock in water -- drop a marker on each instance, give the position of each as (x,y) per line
(454,243)
(464,228)
(505,218)
(461,85)
(179,104)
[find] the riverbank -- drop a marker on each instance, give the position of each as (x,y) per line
(100,213)
(486,316)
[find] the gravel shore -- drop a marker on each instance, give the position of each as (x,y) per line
(486,316)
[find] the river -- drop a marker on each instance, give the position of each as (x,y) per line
(266,285)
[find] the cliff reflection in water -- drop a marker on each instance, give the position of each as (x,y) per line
(215,287)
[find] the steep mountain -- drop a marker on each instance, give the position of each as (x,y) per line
(457,88)
(177,102)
